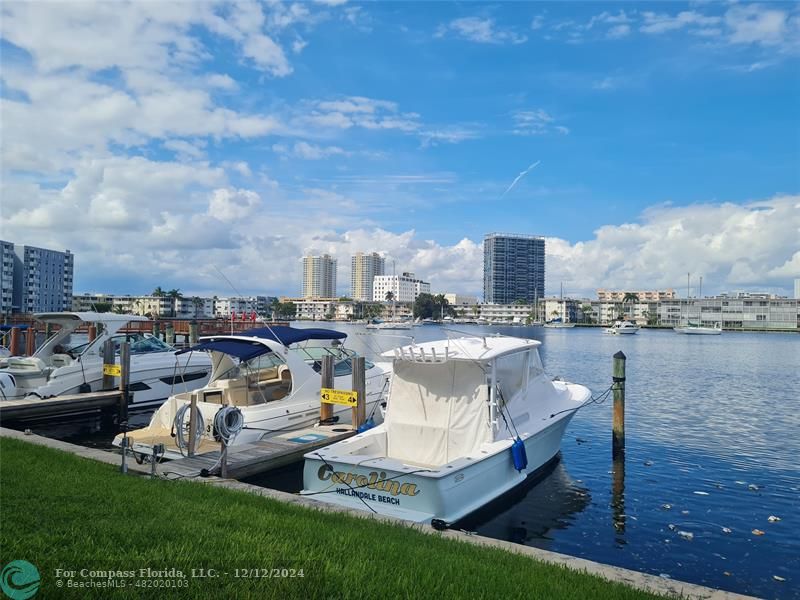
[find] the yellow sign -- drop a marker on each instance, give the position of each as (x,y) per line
(114,370)
(346,397)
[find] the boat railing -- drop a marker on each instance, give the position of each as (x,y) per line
(418,354)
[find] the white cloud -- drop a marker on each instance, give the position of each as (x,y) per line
(536,122)
(758,24)
(228,204)
(357,111)
(447,135)
(618,31)
(307,151)
(185,150)
(221,81)
(537,22)
(661,22)
(481,30)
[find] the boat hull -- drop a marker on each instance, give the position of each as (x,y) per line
(698,330)
(447,493)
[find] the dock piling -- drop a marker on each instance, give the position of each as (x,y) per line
(618,421)
(156,328)
(193,332)
(192,425)
(169,333)
(124,379)
(30,341)
(108,359)
(14,344)
(360,387)
(92,332)
(325,409)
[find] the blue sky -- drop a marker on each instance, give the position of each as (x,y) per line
(181,138)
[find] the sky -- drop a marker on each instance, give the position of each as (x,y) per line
(183,144)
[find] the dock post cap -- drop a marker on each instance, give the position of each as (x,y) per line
(620,354)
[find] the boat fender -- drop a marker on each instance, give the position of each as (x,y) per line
(439,524)
(519,455)
(366,425)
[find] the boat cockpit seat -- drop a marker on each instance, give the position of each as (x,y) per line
(26,363)
(60,360)
(285,387)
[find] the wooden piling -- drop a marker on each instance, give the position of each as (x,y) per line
(193,332)
(30,341)
(14,343)
(325,409)
(360,387)
(48,330)
(108,359)
(124,379)
(618,422)
(92,332)
(169,333)
(156,328)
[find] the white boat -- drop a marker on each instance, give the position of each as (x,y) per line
(58,368)
(690,328)
(404,325)
(623,328)
(697,329)
(272,375)
(462,415)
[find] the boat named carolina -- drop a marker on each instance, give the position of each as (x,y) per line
(467,420)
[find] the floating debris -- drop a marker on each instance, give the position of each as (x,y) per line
(726,530)
(684,512)
(726,573)
(581,440)
(666,506)
(753,487)
(778,578)
(664,575)
(648,463)
(773,519)
(757,532)
(740,482)
(671,527)
(702,493)
(687,535)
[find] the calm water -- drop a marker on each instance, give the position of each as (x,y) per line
(712,447)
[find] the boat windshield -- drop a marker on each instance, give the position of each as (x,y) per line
(254,366)
(139,344)
(343,364)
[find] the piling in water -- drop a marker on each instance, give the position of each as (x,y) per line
(14,344)
(618,422)
(193,332)
(30,341)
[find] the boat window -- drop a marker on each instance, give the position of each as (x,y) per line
(535,367)
(142,344)
(511,373)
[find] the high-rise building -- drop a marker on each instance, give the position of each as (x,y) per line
(42,279)
(513,268)
(319,276)
(404,288)
(6,277)
(364,269)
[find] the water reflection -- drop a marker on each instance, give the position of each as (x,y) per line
(531,513)
(618,498)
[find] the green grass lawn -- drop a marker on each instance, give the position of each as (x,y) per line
(59,511)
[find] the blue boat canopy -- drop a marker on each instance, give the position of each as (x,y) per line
(245,349)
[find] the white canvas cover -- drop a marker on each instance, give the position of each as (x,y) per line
(437,412)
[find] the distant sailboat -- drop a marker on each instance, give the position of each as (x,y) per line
(698,328)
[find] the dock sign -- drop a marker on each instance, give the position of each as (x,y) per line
(345,397)
(113,370)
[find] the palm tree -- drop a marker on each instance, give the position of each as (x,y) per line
(586,309)
(197,302)
(174,294)
(389,296)
(158,292)
(441,301)
(629,298)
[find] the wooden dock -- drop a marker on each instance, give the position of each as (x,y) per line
(262,456)
(37,408)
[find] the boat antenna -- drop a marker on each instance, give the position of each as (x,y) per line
(238,293)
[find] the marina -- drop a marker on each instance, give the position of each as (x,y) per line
(685,511)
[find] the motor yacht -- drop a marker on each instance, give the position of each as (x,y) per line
(467,420)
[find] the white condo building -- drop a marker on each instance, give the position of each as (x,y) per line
(364,269)
(319,276)
(405,287)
